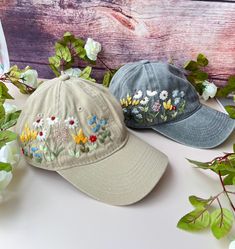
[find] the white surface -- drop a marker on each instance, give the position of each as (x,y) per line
(46,212)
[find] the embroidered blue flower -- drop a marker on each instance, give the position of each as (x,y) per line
(135,111)
(38,155)
(33,149)
(103,122)
(96,128)
(92,120)
(176,101)
(175,93)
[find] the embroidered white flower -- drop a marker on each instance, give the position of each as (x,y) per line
(151,93)
(138,95)
(30,78)
(209,90)
(42,135)
(73,72)
(176,101)
(175,93)
(163,95)
(9,108)
(71,122)
(52,120)
(5,179)
(92,49)
(10,153)
(144,101)
(182,94)
(38,123)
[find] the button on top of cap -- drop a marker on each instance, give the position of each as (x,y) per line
(64,77)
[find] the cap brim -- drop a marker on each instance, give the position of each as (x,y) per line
(206,128)
(123,178)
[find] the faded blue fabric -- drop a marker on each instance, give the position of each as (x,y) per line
(157,95)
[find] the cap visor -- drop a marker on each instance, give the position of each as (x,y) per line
(123,178)
(206,128)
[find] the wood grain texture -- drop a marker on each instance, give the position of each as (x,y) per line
(128,30)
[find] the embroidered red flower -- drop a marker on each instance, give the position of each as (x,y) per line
(92,138)
(174,107)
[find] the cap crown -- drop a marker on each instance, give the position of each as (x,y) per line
(70,122)
(153,93)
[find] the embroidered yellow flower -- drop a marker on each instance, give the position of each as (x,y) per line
(167,105)
(135,101)
(28,134)
(80,137)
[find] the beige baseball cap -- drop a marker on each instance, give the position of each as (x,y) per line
(76,128)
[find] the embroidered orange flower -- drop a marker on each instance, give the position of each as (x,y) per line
(28,135)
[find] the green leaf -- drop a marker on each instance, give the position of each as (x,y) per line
(9,120)
(233,147)
(200,165)
(199,76)
(4,92)
(230,110)
(191,66)
(230,87)
(2,111)
(221,222)
(63,52)
(196,220)
(5,166)
(6,136)
(198,202)
(229,179)
(80,51)
(85,74)
(202,60)
(107,78)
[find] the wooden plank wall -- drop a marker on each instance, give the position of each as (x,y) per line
(128,30)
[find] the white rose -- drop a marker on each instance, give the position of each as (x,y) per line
(232,245)
(92,49)
(5,178)
(209,90)
(9,108)
(10,153)
(73,72)
(30,78)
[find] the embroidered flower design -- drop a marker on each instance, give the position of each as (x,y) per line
(55,137)
(93,138)
(38,123)
(163,95)
(153,107)
(156,106)
(151,93)
(42,135)
(52,120)
(71,122)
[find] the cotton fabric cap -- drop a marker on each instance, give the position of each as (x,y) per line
(157,95)
(76,128)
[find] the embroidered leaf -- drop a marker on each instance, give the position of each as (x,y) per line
(196,220)
(71,152)
(221,222)
(77,154)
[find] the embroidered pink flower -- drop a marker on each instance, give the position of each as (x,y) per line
(71,122)
(93,138)
(42,135)
(156,106)
(52,120)
(38,123)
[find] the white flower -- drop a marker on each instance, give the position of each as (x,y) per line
(38,123)
(71,122)
(52,120)
(9,108)
(42,135)
(176,101)
(144,101)
(151,93)
(92,49)
(30,78)
(135,111)
(182,94)
(163,95)
(73,72)
(138,95)
(232,245)
(209,90)
(10,153)
(5,179)
(175,93)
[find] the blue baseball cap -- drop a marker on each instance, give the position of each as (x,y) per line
(158,96)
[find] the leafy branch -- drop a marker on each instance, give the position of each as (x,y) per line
(71,50)
(220,219)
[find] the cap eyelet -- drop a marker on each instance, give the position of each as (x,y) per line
(80,109)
